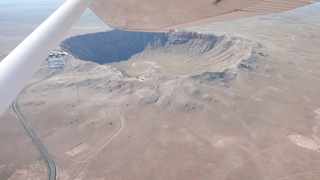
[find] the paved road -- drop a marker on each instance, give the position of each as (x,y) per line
(45,153)
(51,164)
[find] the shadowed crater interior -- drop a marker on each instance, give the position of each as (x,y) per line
(174,53)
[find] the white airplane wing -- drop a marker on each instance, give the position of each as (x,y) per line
(134,15)
(163,15)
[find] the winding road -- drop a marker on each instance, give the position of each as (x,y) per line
(51,164)
(34,137)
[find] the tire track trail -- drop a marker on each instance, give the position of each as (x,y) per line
(117,111)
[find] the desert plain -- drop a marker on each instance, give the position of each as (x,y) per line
(230,100)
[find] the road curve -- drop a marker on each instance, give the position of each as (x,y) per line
(51,164)
(45,153)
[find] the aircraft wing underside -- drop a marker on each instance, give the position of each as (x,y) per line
(163,15)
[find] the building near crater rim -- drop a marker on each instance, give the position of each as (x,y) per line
(56,63)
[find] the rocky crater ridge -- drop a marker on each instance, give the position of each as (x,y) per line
(175,53)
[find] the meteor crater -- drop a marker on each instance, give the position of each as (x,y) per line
(174,53)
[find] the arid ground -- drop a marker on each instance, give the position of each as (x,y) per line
(168,113)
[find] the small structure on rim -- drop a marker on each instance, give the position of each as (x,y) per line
(56,63)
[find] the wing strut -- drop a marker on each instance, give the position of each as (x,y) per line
(24,60)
